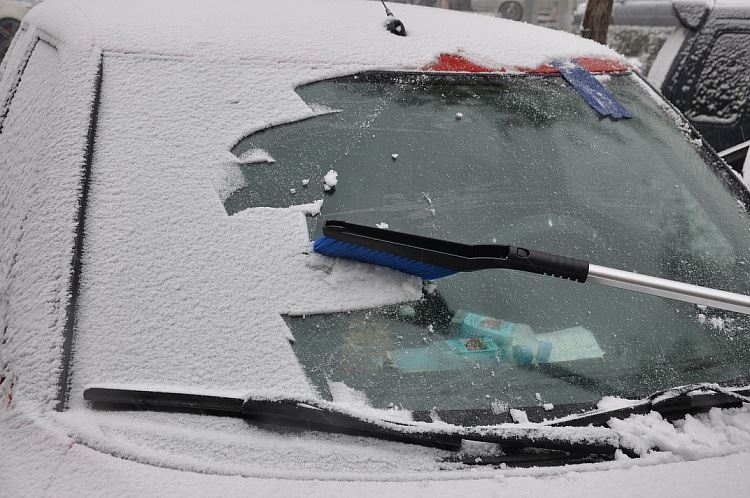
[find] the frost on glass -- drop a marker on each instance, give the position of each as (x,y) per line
(516,160)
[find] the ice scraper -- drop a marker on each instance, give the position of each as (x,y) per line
(433,259)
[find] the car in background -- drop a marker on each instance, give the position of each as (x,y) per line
(11,13)
(464,5)
(697,53)
(704,70)
(556,14)
(738,158)
(165,324)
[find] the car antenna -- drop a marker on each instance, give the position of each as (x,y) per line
(393,25)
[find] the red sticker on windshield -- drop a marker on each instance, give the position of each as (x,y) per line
(451,63)
(448,63)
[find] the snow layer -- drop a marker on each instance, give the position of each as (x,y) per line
(174,291)
(317,32)
(194,295)
(45,127)
(331,179)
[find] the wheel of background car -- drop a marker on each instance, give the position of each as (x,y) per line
(511,10)
(8,28)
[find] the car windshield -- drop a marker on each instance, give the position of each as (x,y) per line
(523,160)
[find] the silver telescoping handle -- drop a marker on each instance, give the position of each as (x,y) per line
(669,288)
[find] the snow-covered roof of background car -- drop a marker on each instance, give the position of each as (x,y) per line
(322,31)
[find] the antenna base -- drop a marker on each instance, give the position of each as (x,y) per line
(395,26)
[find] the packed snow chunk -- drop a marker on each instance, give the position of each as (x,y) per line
(305,182)
(394,156)
(311,209)
(359,405)
(255,156)
(363,284)
(382,225)
(499,406)
(459,115)
(330,180)
(292,190)
(341,393)
(608,403)
(548,406)
(718,432)
(603,78)
(478,449)
(519,416)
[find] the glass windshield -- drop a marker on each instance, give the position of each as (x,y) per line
(517,160)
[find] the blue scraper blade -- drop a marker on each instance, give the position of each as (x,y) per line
(593,92)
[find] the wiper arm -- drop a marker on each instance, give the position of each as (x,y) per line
(326,416)
(670,403)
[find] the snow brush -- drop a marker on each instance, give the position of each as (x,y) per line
(432,259)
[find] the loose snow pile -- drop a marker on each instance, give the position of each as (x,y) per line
(719,432)
(331,179)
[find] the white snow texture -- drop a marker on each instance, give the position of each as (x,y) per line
(174,292)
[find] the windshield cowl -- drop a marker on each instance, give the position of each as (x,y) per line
(576,438)
(325,416)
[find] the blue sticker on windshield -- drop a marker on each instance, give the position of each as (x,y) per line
(593,92)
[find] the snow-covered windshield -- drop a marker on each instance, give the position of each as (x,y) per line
(513,160)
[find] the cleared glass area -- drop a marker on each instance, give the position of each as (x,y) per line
(514,160)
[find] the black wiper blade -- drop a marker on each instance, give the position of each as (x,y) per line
(305,414)
(671,403)
(324,416)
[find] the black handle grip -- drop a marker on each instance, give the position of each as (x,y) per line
(544,263)
(457,256)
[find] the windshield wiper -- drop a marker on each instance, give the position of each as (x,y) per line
(671,403)
(532,445)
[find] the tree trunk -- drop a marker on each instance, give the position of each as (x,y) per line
(596,20)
